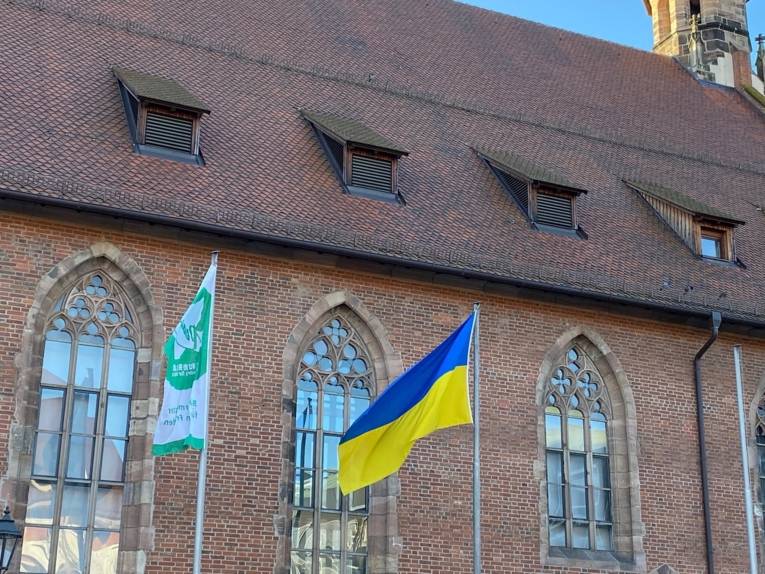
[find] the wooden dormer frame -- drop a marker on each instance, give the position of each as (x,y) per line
(688,218)
(344,172)
(724,232)
(533,188)
(138,105)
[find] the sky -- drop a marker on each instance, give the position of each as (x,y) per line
(622,21)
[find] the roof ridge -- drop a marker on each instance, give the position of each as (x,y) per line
(231,50)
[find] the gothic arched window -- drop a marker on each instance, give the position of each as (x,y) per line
(577,411)
(335,383)
(760,434)
(75,498)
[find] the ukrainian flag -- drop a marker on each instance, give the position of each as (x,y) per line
(431,395)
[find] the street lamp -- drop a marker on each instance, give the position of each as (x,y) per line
(9,538)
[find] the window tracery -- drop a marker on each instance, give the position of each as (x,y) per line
(335,384)
(760,438)
(76,489)
(577,411)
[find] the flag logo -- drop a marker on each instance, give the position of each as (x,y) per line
(189,332)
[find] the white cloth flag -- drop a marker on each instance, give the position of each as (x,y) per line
(182,420)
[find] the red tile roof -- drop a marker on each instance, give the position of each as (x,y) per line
(438,77)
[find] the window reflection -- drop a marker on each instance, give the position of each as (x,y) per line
(761,451)
(90,357)
(553,434)
(576,441)
(36,555)
(58,348)
(51,409)
(103,557)
(41,502)
(121,365)
(74,506)
(70,555)
(333,390)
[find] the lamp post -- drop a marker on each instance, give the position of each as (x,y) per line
(9,538)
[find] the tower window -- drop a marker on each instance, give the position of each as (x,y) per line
(695,7)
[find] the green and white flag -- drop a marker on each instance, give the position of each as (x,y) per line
(182,420)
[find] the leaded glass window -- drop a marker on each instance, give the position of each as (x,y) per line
(334,386)
(761,451)
(74,505)
(577,455)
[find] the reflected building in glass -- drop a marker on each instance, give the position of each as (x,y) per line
(335,385)
(75,493)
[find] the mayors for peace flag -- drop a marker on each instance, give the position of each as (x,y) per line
(431,395)
(182,421)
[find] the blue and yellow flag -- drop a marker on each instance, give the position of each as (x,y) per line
(431,395)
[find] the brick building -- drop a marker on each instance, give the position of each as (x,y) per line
(368,170)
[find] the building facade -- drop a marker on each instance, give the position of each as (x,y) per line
(368,171)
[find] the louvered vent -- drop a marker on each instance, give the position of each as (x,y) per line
(372,173)
(170,132)
(519,189)
(555,210)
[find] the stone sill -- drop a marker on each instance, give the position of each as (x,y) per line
(609,561)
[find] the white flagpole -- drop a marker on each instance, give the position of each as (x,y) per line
(476,445)
(745,461)
(202,477)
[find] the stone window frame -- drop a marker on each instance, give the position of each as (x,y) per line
(628,529)
(383,533)
(576,392)
(137,531)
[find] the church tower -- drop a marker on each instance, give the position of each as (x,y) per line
(708,36)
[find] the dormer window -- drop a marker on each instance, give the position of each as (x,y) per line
(163,117)
(707,231)
(711,243)
(544,197)
(365,162)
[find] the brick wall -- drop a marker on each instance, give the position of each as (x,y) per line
(260,301)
